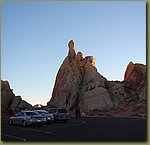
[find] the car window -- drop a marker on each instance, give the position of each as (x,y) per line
(20,114)
(31,113)
(53,110)
(45,112)
(42,112)
(62,111)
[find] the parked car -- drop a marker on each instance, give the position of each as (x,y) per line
(61,114)
(25,118)
(49,117)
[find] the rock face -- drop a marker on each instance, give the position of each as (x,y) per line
(68,81)
(76,76)
(96,99)
(7,96)
(79,85)
(135,76)
(20,104)
(9,100)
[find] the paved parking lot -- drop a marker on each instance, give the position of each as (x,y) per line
(79,129)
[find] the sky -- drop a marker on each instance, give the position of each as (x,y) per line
(35,38)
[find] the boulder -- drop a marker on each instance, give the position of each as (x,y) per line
(96,99)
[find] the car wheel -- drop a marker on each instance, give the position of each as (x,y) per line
(10,122)
(24,123)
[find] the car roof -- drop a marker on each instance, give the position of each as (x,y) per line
(27,111)
(62,108)
(41,110)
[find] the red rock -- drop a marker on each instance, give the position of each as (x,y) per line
(135,75)
(79,85)
(7,96)
(9,100)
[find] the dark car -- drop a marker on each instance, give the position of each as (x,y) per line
(61,114)
(25,118)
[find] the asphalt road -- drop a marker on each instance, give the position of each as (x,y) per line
(94,129)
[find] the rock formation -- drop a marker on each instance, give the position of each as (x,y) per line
(76,76)
(68,81)
(9,100)
(7,96)
(135,76)
(79,85)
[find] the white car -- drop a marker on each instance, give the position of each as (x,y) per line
(60,114)
(25,118)
(49,116)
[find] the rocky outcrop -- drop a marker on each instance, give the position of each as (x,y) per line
(68,81)
(76,76)
(20,104)
(38,106)
(79,85)
(7,96)
(135,77)
(9,100)
(96,99)
(24,105)
(15,103)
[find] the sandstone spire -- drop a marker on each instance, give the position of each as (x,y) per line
(72,49)
(75,76)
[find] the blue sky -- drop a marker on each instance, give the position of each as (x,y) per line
(35,38)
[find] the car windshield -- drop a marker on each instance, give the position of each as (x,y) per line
(62,111)
(31,113)
(42,112)
(53,110)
